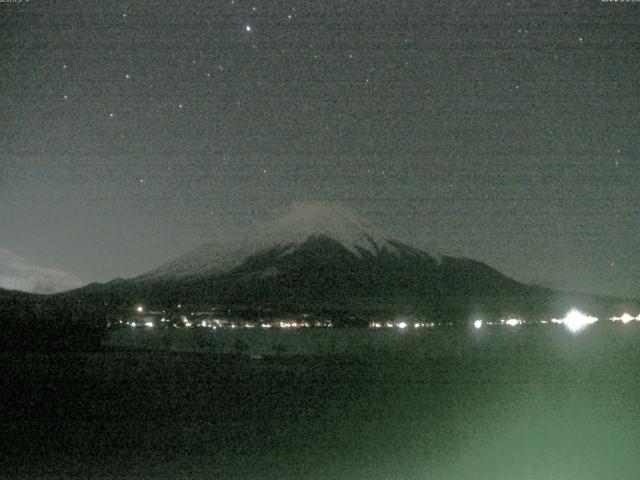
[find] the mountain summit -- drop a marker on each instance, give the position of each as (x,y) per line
(330,219)
(301,222)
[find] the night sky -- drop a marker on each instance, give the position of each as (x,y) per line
(503,131)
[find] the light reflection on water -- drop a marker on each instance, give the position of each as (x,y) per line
(527,403)
(409,343)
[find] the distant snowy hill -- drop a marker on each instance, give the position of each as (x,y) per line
(17,273)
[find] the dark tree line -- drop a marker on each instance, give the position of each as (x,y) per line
(49,323)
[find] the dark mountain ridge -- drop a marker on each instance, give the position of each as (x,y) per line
(321,276)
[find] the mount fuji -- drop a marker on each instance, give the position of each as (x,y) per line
(317,258)
(322,257)
(304,221)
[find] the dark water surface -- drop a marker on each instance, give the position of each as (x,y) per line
(502,403)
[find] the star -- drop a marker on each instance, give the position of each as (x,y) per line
(127,76)
(247,28)
(66,97)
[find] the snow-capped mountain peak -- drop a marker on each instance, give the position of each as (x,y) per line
(300,222)
(334,220)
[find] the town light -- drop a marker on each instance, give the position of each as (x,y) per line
(626,318)
(477,324)
(576,320)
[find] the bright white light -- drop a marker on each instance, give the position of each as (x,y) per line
(132,324)
(402,325)
(247,28)
(477,324)
(626,318)
(512,322)
(149,324)
(576,320)
(139,309)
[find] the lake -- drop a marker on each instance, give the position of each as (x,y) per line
(496,403)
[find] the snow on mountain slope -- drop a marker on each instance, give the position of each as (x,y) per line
(206,259)
(331,219)
(302,221)
(17,273)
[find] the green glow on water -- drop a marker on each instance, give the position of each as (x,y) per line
(506,403)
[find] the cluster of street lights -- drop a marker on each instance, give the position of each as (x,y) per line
(574,321)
